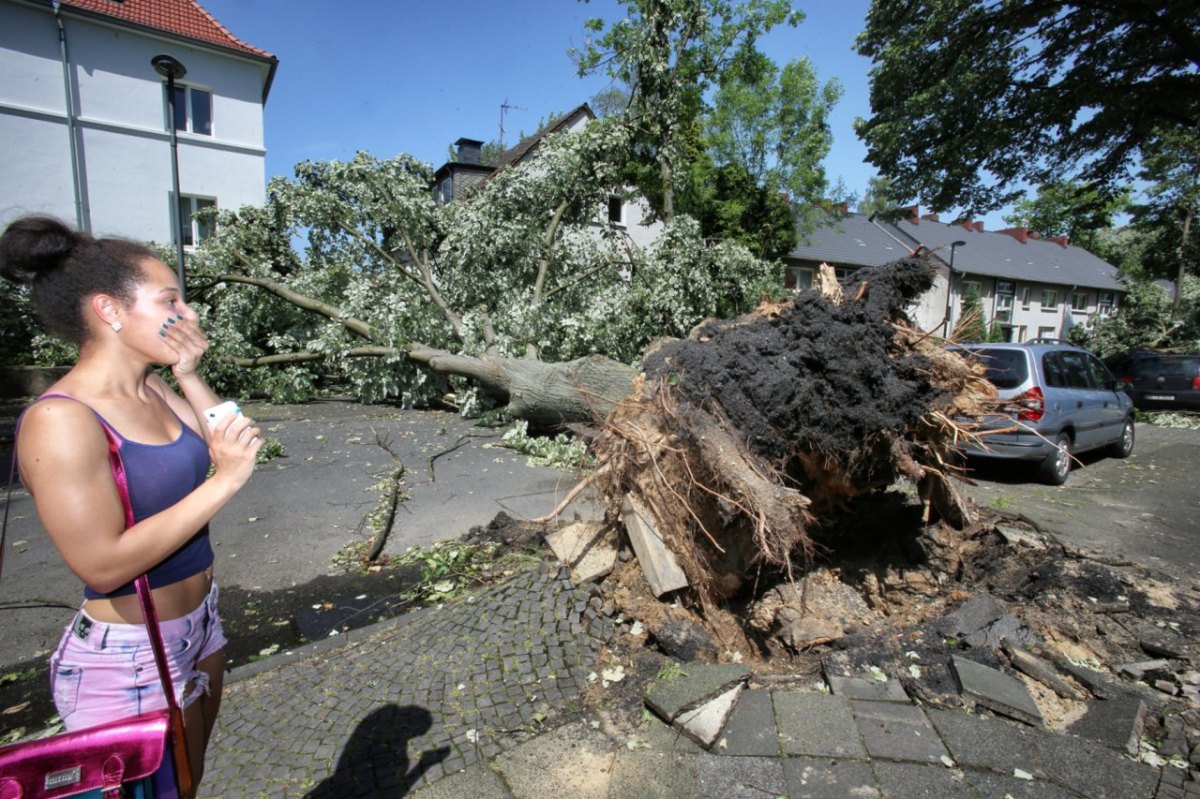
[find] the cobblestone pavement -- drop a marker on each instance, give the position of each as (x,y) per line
(411,701)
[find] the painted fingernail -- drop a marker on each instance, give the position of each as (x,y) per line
(170,320)
(162,333)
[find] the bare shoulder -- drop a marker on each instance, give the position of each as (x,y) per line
(60,431)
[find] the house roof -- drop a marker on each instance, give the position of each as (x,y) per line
(853,240)
(186,18)
(996,254)
(859,240)
(522,148)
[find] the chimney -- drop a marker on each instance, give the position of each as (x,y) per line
(469,150)
(977,226)
(914,214)
(930,217)
(1033,234)
(968,223)
(1062,241)
(1021,234)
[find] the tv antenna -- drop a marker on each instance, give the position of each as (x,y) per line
(504,109)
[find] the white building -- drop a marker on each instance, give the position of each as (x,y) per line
(85,123)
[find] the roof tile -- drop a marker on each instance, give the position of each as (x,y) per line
(186,18)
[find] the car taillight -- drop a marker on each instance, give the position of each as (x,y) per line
(1196,384)
(1127,380)
(1031,405)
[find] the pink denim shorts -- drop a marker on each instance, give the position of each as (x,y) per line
(102,671)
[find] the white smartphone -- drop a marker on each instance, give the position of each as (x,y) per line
(218,412)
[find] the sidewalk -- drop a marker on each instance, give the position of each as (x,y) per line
(487,699)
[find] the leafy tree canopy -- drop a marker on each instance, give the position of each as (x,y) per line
(1064,208)
(971,97)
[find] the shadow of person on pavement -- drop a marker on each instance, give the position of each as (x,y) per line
(374,761)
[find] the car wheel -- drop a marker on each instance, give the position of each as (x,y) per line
(1057,466)
(1123,446)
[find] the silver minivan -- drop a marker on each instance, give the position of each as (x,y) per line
(1060,400)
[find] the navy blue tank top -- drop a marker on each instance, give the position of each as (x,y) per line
(159,475)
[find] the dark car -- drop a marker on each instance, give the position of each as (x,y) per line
(1164,381)
(1062,400)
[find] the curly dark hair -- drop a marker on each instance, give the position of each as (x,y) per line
(63,267)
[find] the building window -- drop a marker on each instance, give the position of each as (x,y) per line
(196,230)
(1026,292)
(800,278)
(1106,302)
(193,110)
(1005,291)
(843,272)
(1022,332)
(1079,301)
(445,191)
(1047,332)
(1050,300)
(616,210)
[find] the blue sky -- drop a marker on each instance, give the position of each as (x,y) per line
(389,76)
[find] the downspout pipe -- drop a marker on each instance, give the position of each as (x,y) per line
(82,220)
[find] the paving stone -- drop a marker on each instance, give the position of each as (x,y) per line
(818,778)
(982,622)
(584,547)
(751,731)
(988,784)
(576,761)
(740,777)
(697,683)
(1083,766)
(705,723)
(916,781)
(816,725)
(897,732)
(995,690)
(646,774)
(858,688)
(1117,723)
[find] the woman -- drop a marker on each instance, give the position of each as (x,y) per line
(122,307)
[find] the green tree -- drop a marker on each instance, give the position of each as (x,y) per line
(1171,166)
(971,97)
(670,52)
(879,198)
(1065,208)
(774,124)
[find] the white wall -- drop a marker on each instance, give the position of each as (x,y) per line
(124,144)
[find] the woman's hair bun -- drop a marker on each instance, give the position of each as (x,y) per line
(34,246)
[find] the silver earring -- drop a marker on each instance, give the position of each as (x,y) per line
(116,326)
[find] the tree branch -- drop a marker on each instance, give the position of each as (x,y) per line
(304,301)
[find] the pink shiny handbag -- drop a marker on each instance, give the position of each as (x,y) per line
(139,757)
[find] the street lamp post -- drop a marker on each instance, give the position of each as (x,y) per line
(954,245)
(170,68)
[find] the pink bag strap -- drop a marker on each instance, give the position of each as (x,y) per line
(142,582)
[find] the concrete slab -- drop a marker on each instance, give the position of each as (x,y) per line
(916,781)
(817,725)
(1116,723)
(987,783)
(586,548)
(751,730)
(1082,766)
(696,684)
(983,622)
(477,781)
(704,724)
(897,732)
(643,774)
(741,777)
(873,690)
(657,735)
(816,778)
(995,690)
(576,761)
